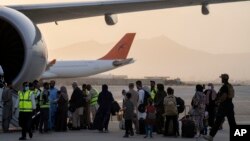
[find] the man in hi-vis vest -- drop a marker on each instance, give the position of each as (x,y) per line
(26,104)
(93,97)
(44,108)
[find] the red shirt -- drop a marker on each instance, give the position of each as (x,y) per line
(150,109)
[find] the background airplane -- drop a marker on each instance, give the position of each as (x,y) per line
(23,54)
(116,58)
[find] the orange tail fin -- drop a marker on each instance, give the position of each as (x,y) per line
(121,49)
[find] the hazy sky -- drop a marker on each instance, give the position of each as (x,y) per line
(225,30)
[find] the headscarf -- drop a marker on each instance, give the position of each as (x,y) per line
(64,93)
(146,88)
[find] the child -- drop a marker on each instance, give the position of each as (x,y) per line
(150,118)
(128,109)
(205,123)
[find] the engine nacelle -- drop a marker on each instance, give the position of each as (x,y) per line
(111,19)
(23,53)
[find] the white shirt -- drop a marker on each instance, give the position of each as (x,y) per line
(142,115)
(141,96)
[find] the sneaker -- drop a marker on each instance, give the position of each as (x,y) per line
(208,138)
(145,136)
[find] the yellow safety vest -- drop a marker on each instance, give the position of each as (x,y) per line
(35,92)
(153,93)
(93,100)
(42,104)
(25,103)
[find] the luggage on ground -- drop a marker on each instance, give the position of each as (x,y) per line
(188,126)
(122,124)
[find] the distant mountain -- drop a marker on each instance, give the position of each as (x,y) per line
(163,57)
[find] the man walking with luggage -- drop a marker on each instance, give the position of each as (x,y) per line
(226,107)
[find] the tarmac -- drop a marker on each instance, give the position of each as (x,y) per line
(242,115)
(114,134)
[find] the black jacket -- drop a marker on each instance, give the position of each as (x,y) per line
(105,100)
(77,99)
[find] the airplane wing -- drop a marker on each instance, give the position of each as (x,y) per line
(43,13)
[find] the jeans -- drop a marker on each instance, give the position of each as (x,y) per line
(149,130)
(128,127)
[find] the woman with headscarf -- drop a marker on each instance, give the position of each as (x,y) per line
(105,100)
(61,122)
(198,105)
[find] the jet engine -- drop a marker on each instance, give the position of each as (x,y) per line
(111,19)
(23,52)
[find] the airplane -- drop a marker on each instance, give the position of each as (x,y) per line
(115,58)
(23,52)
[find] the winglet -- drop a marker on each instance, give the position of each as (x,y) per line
(50,64)
(121,49)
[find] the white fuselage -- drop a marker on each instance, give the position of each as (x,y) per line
(71,69)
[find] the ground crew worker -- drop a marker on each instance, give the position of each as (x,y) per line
(153,90)
(7,106)
(26,104)
(93,96)
(44,108)
(86,113)
(226,107)
(36,92)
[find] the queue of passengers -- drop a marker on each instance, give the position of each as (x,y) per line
(208,109)
(147,108)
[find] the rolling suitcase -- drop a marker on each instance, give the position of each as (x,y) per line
(188,126)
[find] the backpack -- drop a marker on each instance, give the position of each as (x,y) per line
(141,108)
(115,108)
(230,91)
(180,104)
(170,106)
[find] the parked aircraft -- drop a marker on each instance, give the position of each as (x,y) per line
(23,52)
(116,58)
